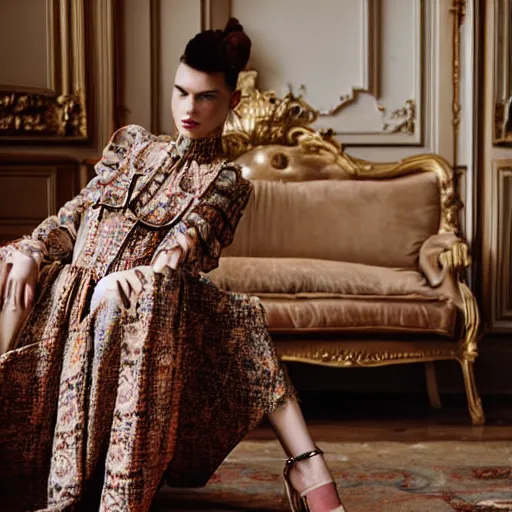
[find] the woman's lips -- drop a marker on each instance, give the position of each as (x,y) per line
(189,124)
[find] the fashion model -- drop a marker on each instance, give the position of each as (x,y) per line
(122,366)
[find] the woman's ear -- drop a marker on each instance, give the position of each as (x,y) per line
(235,99)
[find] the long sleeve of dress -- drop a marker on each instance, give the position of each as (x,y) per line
(54,238)
(212,221)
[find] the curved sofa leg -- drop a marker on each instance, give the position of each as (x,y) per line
(433,391)
(474,402)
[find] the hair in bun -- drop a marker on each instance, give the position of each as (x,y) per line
(220,51)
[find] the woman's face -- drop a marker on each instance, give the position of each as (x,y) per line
(200,102)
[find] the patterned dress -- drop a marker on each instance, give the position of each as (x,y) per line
(99,401)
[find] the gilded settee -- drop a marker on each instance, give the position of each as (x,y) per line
(356,263)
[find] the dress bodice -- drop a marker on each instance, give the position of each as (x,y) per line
(160,181)
(147,190)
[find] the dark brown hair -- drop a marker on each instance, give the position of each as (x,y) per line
(220,51)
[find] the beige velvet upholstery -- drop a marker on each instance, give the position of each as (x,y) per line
(300,276)
(306,294)
(361,314)
(382,222)
(342,255)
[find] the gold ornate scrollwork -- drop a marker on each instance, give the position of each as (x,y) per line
(401,120)
(56,111)
(502,82)
(457,258)
(335,356)
(459,12)
(27,114)
(263,118)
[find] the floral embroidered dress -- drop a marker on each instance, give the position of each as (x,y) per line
(97,398)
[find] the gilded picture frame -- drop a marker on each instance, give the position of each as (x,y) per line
(56,113)
(503,72)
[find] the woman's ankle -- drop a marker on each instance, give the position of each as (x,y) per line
(309,473)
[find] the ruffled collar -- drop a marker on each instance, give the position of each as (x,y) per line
(202,150)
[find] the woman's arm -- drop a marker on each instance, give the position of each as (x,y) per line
(210,225)
(54,238)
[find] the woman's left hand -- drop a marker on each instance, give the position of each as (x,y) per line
(129,286)
(125,285)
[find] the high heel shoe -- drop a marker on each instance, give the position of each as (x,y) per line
(299,501)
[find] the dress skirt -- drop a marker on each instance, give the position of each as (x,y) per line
(101,399)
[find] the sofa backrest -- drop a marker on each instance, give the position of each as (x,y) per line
(339,216)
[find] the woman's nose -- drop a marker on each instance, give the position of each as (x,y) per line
(191,105)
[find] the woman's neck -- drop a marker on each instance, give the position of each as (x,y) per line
(205,148)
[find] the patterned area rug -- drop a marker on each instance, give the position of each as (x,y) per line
(441,476)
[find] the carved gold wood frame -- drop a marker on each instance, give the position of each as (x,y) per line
(264,119)
(58,113)
(503,72)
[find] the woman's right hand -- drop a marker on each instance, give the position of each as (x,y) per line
(18,279)
(176,256)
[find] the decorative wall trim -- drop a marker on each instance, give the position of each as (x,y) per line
(105,41)
(401,120)
(215,13)
(402,125)
(503,239)
(503,72)
(120,110)
(459,12)
(370,44)
(59,113)
(155,33)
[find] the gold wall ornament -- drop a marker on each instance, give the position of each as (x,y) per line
(401,120)
(458,9)
(33,115)
(502,73)
(263,118)
(58,112)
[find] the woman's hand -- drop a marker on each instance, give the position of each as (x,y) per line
(128,284)
(18,279)
(176,256)
(125,286)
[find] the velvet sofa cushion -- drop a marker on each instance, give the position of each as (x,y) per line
(375,222)
(305,276)
(356,314)
(306,294)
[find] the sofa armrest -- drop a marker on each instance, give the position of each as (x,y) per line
(442,253)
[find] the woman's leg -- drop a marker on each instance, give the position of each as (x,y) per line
(292,432)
